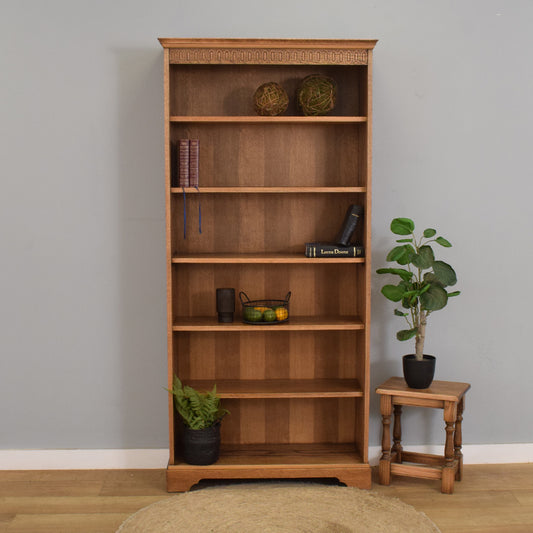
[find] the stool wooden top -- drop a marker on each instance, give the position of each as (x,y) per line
(450,391)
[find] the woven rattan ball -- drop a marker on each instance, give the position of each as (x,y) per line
(316,94)
(270,99)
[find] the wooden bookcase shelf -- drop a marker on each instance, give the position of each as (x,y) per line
(261,258)
(283,388)
(266,190)
(298,391)
(270,120)
(296,323)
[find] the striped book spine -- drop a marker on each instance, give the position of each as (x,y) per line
(184,162)
(194,156)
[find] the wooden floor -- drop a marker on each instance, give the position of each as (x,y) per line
(490,499)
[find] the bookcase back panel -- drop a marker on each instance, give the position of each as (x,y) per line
(254,155)
(211,90)
(254,223)
(283,421)
(316,289)
(271,355)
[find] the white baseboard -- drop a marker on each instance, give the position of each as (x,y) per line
(158,458)
(82,459)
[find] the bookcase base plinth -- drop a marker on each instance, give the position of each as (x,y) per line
(182,477)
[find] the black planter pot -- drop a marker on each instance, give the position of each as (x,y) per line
(201,446)
(418,374)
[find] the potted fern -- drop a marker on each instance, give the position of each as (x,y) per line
(201,415)
(422,289)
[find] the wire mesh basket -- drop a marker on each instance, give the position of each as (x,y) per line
(264,312)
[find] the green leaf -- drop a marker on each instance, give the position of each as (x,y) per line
(395,253)
(176,383)
(401,254)
(406,334)
(392,292)
(430,232)
(404,240)
(434,298)
(404,274)
(444,273)
(407,256)
(454,293)
(198,409)
(402,226)
(425,257)
(430,278)
(397,312)
(443,242)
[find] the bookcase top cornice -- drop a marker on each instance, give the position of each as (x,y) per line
(367,44)
(268,51)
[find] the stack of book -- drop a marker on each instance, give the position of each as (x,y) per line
(341,246)
(184,163)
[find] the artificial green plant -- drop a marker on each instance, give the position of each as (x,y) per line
(198,410)
(422,288)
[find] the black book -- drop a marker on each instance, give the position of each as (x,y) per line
(349,224)
(328,249)
(174,165)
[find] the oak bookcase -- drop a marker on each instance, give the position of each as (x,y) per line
(298,391)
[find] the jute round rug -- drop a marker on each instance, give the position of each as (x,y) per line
(279,508)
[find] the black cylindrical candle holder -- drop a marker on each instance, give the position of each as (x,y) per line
(225,304)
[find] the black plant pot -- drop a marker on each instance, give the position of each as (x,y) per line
(201,446)
(418,374)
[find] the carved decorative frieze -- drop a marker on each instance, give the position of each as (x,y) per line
(268,56)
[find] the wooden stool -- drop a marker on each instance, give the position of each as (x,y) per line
(446,395)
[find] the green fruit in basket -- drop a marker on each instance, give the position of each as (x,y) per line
(269,315)
(252,315)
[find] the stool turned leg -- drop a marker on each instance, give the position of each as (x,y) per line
(384,462)
(397,434)
(448,470)
(458,440)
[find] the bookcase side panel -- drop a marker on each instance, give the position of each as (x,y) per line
(167,89)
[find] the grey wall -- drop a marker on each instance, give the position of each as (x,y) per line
(82,275)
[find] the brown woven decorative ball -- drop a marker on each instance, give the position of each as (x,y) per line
(316,94)
(270,99)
